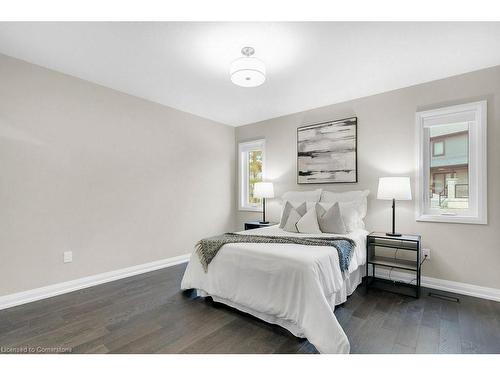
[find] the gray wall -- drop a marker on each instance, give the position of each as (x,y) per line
(386,146)
(118,180)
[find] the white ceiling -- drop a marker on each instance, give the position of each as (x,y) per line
(185,65)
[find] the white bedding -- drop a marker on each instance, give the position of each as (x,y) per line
(294,286)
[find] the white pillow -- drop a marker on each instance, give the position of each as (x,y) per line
(349,212)
(359,196)
(302,196)
(309,222)
(297,223)
(351,216)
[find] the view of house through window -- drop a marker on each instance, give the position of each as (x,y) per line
(452,164)
(449,166)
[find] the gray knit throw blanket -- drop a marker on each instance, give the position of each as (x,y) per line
(208,248)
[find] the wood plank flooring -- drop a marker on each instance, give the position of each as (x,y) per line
(148,314)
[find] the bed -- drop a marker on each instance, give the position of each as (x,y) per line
(294,286)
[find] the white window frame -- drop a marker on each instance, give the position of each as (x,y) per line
(477,212)
(243,149)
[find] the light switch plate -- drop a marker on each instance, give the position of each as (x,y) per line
(67,256)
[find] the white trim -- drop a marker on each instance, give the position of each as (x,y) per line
(259,144)
(459,219)
(444,285)
(477,214)
(32,295)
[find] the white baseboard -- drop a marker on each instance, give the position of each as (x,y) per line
(32,295)
(444,285)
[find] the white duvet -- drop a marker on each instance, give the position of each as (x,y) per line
(295,286)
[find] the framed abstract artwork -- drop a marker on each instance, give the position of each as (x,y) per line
(327,152)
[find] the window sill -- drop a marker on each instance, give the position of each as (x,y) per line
(250,209)
(457,219)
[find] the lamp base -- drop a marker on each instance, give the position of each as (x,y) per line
(263,222)
(394,234)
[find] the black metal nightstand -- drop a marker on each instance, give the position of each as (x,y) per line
(257,224)
(406,243)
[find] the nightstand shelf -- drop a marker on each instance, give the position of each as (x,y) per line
(404,264)
(409,244)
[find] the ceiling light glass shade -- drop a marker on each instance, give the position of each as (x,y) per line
(248,72)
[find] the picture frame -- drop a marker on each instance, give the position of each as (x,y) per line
(327,152)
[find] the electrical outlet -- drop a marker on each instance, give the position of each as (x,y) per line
(67,256)
(427,253)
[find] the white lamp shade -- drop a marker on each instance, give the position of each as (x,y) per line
(248,72)
(263,190)
(394,188)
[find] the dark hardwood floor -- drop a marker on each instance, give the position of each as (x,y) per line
(148,314)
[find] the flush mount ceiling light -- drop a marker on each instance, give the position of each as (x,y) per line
(248,71)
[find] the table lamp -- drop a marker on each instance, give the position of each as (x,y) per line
(263,190)
(394,188)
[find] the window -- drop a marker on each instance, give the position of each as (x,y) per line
(251,170)
(451,165)
(437,148)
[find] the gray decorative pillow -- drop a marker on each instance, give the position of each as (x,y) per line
(301,210)
(291,222)
(330,221)
(307,223)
